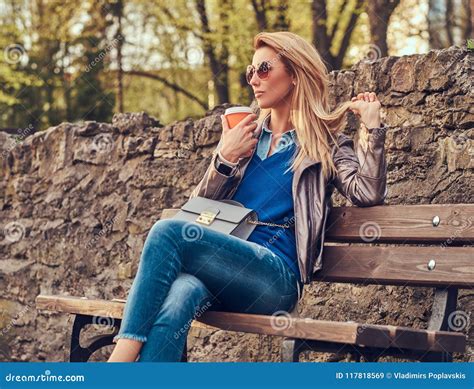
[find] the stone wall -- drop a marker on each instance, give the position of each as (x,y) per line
(77,201)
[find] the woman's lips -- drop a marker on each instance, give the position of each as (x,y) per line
(257,94)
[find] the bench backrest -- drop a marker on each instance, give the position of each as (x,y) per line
(445,231)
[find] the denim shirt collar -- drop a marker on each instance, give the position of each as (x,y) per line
(291,133)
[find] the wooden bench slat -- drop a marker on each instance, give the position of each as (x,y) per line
(396,224)
(382,336)
(89,307)
(80,305)
(402,224)
(400,265)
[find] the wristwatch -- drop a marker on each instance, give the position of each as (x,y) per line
(225,167)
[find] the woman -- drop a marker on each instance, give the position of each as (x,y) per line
(285,166)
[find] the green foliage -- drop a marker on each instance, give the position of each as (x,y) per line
(179,57)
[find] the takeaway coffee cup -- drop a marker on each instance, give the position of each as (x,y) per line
(235,115)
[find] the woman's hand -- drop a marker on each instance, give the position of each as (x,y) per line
(367,107)
(238,142)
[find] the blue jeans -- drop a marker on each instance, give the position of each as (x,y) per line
(185,269)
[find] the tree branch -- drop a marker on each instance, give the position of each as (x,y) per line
(336,25)
(348,33)
(169,84)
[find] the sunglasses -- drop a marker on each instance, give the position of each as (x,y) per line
(263,71)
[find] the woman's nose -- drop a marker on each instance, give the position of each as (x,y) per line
(254,81)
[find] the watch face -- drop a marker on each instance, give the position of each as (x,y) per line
(224,169)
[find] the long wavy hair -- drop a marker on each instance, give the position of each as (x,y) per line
(310,114)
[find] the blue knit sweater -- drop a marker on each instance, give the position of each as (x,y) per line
(266,188)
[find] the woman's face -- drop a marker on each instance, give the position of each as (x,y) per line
(276,88)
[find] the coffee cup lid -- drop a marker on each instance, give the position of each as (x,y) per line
(242,109)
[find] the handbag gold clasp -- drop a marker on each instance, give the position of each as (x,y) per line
(206,217)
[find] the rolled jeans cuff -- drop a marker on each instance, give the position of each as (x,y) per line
(138,338)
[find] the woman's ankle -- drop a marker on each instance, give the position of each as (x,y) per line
(126,350)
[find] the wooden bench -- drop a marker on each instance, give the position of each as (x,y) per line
(444,262)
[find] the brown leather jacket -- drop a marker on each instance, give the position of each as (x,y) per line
(361,178)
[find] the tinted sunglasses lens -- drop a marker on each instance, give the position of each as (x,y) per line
(249,74)
(263,70)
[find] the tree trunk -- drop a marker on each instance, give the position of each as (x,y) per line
(320,35)
(438,38)
(260,14)
(282,23)
(323,39)
(219,65)
(380,12)
(119,38)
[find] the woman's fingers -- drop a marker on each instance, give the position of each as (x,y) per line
(249,128)
(225,125)
(246,120)
(355,106)
(368,97)
(365,96)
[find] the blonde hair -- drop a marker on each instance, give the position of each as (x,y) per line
(315,124)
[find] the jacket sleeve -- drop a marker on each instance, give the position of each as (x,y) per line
(214,185)
(362,174)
